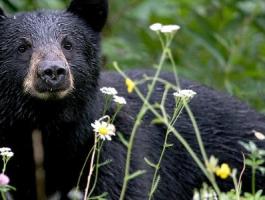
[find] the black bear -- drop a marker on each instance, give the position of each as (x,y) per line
(50,79)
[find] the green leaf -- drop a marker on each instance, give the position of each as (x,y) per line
(259,162)
(249,162)
(245,145)
(104,163)
(252,146)
(151,164)
(103,196)
(157,121)
(262,152)
(122,139)
(262,170)
(169,145)
(136,174)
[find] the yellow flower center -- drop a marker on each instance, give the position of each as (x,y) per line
(103,131)
(130,85)
(224,171)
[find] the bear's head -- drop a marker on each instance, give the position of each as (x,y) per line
(52,54)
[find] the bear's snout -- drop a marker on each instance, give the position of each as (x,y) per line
(49,75)
(53,76)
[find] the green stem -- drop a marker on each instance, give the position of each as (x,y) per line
(182,141)
(91,168)
(115,114)
(163,150)
(107,103)
(160,80)
(138,120)
(96,173)
(253,180)
(236,185)
(83,167)
(178,136)
(3,195)
(161,39)
(174,66)
(129,152)
(197,133)
(5,161)
(191,116)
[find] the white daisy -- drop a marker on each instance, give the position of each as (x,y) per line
(103,129)
(187,94)
(75,194)
(8,154)
(5,149)
(108,90)
(169,28)
(119,100)
(259,135)
(156,27)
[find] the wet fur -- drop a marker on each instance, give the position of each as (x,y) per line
(65,123)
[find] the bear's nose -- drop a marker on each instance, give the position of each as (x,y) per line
(52,72)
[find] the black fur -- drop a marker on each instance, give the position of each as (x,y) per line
(65,123)
(95,12)
(222,119)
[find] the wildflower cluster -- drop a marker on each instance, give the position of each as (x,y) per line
(104,129)
(205,193)
(223,171)
(119,100)
(164,28)
(184,96)
(110,94)
(6,155)
(109,91)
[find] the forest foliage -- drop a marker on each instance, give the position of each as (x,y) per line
(221,42)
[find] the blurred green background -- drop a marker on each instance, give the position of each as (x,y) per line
(221,43)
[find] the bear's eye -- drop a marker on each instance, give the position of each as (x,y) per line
(23,48)
(67,46)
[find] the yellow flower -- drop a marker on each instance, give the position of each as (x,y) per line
(130,85)
(224,171)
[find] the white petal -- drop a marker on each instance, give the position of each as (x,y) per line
(119,100)
(104,124)
(4,149)
(156,27)
(170,28)
(108,90)
(185,94)
(102,137)
(108,137)
(259,135)
(111,128)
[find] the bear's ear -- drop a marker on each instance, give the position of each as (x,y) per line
(2,14)
(94,12)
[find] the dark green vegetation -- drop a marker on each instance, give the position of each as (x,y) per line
(221,43)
